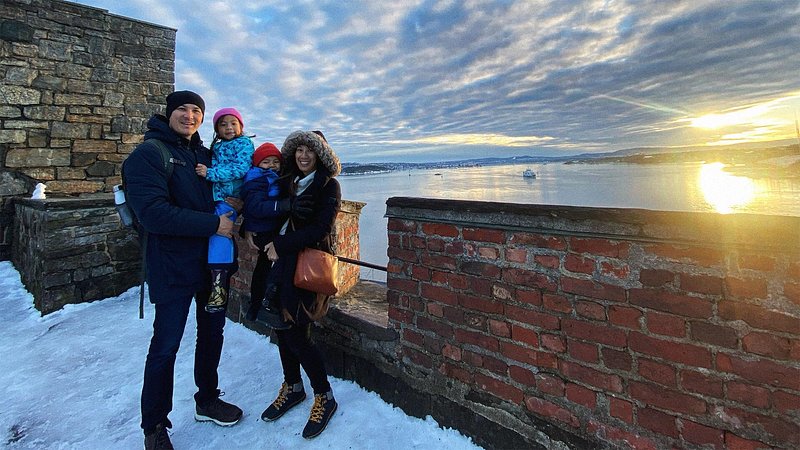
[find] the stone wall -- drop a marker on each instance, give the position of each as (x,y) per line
(593,327)
(78,85)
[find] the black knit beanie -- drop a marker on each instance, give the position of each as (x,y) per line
(178,98)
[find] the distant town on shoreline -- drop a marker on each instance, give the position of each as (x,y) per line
(764,160)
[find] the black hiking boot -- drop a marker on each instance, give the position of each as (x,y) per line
(158,439)
(288,397)
(321,413)
(220,412)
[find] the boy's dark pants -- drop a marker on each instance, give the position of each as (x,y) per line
(168,325)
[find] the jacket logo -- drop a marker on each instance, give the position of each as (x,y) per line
(177,161)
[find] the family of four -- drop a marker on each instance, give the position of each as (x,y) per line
(289,199)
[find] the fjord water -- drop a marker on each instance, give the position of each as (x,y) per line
(664,187)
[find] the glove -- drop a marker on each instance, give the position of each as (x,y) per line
(303,207)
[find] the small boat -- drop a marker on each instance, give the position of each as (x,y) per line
(528,173)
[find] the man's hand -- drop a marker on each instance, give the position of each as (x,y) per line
(225,227)
(201,170)
(235,203)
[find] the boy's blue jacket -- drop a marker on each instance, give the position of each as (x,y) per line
(178,214)
(261,194)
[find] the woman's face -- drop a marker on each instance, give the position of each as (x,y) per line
(306,159)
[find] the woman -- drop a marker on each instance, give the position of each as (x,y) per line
(310,166)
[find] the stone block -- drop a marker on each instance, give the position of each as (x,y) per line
(18,95)
(70,173)
(21,76)
(75,187)
(10,112)
(11,184)
(94,146)
(78,99)
(12,136)
(69,130)
(101,169)
(73,71)
(39,173)
(37,157)
(45,112)
(16,31)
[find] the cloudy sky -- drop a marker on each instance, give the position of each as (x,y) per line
(443,80)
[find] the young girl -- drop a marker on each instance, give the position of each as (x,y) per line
(232,152)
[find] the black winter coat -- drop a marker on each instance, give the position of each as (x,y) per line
(178,214)
(313,232)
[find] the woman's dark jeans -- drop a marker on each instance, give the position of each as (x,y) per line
(297,349)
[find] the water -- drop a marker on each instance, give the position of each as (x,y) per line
(665,187)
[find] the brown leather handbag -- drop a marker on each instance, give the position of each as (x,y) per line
(317,271)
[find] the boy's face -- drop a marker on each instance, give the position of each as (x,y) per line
(270,162)
(228,127)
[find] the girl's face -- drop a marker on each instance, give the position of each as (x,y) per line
(306,159)
(271,162)
(228,127)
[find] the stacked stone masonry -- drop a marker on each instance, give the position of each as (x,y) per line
(627,328)
(78,85)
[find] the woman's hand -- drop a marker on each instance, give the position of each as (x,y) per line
(272,254)
(201,170)
(248,237)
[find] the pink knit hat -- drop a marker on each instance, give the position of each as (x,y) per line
(227,112)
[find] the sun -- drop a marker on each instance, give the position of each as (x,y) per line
(723,191)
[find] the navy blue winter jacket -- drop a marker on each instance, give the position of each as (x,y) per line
(260,193)
(178,214)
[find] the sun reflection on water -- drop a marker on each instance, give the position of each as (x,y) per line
(723,191)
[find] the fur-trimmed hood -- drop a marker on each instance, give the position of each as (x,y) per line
(317,144)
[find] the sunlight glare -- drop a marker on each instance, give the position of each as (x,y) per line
(723,191)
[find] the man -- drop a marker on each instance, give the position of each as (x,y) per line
(176,216)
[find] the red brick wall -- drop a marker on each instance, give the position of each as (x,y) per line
(637,328)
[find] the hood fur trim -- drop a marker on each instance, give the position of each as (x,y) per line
(324,152)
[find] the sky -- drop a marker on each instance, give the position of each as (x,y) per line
(72,380)
(426,80)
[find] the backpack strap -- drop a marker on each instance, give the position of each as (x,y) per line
(169,165)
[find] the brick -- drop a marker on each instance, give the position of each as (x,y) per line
(657,421)
(522,277)
(657,372)
(718,335)
(413,337)
(499,389)
(580,395)
(456,372)
(553,343)
(549,261)
(522,375)
(746,288)
(402,316)
(440,229)
(759,317)
(519,353)
(671,351)
(418,358)
(533,318)
(557,303)
(432,345)
(776,347)
(666,324)
(438,294)
(616,359)
(484,235)
(480,340)
(451,352)
(655,277)
(621,409)
(481,286)
(402,255)
(701,383)
(701,284)
(439,262)
(494,365)
(760,371)
(624,316)
(435,309)
(703,435)
(702,256)
(525,335)
(782,430)
(593,289)
(618,270)
(420,273)
(583,351)
(398,284)
(499,328)
(592,377)
(590,310)
(480,304)
(602,247)
(516,255)
(550,384)
(680,305)
(757,262)
(792,292)
(480,269)
(549,410)
(734,442)
(594,333)
(537,240)
(441,329)
(530,297)
(786,402)
(668,399)
(620,437)
(579,264)
(747,394)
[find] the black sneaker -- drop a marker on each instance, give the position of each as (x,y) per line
(272,319)
(158,439)
(288,397)
(217,411)
(321,413)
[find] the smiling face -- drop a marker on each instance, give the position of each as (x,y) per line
(306,159)
(186,119)
(228,127)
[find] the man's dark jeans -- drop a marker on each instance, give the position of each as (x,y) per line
(168,325)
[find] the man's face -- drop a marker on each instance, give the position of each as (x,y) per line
(186,120)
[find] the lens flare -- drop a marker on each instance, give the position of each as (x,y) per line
(723,191)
